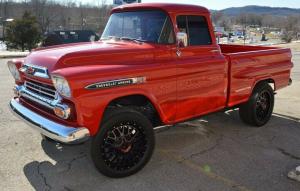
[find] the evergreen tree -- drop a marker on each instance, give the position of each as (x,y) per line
(23,33)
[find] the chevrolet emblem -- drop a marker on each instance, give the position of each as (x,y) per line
(30,70)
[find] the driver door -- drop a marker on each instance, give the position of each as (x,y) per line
(201,70)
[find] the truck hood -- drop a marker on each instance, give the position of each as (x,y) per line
(92,53)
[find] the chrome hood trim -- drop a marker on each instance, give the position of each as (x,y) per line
(34,70)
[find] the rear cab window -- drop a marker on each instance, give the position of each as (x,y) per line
(196,28)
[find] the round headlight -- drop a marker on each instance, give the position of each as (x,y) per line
(61,85)
(13,70)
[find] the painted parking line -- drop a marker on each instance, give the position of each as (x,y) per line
(295,119)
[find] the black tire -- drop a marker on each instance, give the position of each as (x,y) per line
(124,143)
(259,108)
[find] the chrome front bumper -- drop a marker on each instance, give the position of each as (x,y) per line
(51,129)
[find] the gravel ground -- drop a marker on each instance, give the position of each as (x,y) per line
(215,153)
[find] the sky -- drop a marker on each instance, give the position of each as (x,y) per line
(222,4)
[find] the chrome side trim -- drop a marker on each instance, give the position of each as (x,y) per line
(116,83)
(243,89)
(51,129)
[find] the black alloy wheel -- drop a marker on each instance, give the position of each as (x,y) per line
(124,144)
(263,105)
(259,108)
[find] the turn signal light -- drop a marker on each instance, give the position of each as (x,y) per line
(63,112)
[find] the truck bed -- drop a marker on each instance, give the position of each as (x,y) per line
(249,64)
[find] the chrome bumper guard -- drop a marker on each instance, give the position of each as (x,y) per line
(51,129)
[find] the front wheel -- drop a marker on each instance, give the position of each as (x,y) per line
(124,143)
(259,108)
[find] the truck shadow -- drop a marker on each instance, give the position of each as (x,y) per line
(71,168)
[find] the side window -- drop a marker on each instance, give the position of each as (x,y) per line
(167,34)
(196,28)
(182,24)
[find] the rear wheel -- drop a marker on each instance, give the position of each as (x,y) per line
(124,144)
(259,108)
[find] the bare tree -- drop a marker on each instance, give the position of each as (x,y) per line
(104,14)
(4,8)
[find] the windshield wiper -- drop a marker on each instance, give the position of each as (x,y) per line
(124,38)
(109,38)
(132,39)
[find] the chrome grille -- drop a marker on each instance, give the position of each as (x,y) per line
(41,89)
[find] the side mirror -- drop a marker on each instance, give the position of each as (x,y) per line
(182,40)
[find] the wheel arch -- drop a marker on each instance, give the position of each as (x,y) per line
(268,80)
(136,101)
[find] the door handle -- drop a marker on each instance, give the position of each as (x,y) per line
(178,52)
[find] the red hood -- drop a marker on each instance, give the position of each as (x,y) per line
(92,53)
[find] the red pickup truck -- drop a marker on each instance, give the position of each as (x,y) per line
(155,65)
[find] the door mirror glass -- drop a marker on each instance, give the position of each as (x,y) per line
(182,39)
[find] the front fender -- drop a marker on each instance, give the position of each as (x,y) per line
(90,104)
(91,107)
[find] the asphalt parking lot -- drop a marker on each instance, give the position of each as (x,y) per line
(215,153)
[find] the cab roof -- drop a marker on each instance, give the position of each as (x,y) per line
(167,7)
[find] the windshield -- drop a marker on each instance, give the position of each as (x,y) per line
(147,26)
